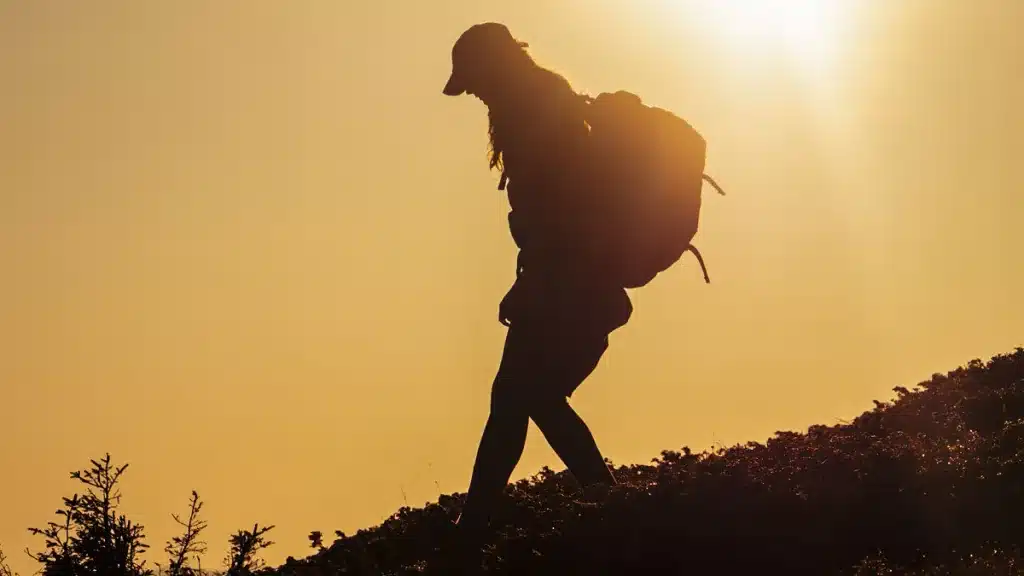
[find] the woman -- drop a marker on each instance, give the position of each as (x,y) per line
(559,311)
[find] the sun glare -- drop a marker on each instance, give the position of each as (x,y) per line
(807,30)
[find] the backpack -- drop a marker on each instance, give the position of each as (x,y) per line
(645,174)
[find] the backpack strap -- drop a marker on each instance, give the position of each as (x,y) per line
(691,247)
(700,259)
(711,181)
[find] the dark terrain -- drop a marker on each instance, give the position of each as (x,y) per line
(929,483)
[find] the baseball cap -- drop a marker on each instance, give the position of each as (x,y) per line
(473,48)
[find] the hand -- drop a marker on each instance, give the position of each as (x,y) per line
(506,309)
(503,312)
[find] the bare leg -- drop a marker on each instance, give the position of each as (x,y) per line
(539,368)
(504,436)
(501,447)
(572,440)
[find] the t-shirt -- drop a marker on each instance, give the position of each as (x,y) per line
(544,142)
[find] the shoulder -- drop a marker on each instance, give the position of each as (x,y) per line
(551,109)
(556,96)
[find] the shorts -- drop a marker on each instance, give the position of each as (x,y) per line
(557,335)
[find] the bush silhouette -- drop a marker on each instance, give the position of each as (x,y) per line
(92,538)
(5,569)
(181,549)
(245,545)
(930,483)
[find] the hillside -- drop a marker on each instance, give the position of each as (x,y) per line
(931,482)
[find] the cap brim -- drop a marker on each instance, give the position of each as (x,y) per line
(453,87)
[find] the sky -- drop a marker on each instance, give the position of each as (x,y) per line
(250,249)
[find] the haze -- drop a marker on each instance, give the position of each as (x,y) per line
(250,248)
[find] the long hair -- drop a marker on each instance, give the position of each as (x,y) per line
(531,82)
(495,139)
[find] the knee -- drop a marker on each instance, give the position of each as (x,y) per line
(507,397)
(549,409)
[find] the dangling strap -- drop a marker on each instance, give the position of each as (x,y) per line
(711,181)
(691,247)
(700,259)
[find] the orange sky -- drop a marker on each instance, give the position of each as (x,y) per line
(249,248)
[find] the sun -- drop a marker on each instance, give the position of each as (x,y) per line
(807,30)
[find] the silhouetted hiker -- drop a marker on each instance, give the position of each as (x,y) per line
(559,312)
(605,194)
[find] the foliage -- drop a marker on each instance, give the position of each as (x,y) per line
(180,548)
(245,545)
(92,538)
(5,569)
(928,484)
